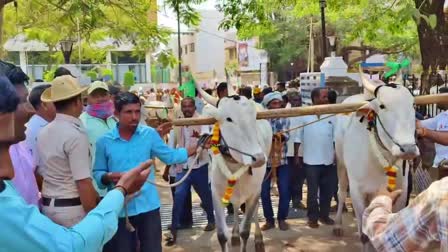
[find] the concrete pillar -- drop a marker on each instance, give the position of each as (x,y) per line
(109,60)
(148,66)
(23,61)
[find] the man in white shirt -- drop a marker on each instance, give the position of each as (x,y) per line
(45,113)
(438,123)
(188,136)
(317,140)
(295,155)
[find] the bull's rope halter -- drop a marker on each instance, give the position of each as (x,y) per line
(232,178)
(389,168)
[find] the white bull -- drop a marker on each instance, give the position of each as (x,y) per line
(362,157)
(248,142)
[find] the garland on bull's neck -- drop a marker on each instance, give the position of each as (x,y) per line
(390,169)
(232,178)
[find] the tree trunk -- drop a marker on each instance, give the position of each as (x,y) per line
(433,42)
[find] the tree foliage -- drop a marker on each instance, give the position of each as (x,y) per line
(51,21)
(387,26)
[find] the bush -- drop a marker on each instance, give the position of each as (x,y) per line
(49,75)
(107,75)
(93,75)
(129,80)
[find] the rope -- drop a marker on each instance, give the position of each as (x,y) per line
(129,225)
(277,147)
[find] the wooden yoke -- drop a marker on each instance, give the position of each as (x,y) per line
(312,110)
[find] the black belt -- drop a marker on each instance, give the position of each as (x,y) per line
(62,202)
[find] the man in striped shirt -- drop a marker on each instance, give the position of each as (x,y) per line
(414,228)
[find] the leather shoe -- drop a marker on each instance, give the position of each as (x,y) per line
(313,224)
(268,225)
(282,225)
(327,221)
(209,227)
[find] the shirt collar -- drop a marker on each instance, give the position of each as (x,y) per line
(67,118)
(37,120)
(116,132)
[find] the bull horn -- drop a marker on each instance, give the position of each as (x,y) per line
(399,78)
(367,83)
(208,98)
(230,91)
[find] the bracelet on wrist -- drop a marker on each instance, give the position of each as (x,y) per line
(123,189)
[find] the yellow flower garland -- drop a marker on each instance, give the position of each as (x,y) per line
(215,149)
(391,172)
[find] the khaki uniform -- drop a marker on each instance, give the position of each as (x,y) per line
(64,149)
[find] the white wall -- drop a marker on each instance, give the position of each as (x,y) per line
(210,54)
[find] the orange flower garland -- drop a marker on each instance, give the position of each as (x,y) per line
(215,149)
(391,173)
(215,139)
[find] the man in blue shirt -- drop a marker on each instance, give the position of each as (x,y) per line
(28,229)
(121,149)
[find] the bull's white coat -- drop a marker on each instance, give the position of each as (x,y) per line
(358,163)
(241,131)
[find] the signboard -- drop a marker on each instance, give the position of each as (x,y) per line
(243,54)
(308,82)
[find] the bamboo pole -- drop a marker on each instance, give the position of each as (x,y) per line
(311,110)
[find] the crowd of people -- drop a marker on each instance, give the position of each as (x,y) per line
(67,168)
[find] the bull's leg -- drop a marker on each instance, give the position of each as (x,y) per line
(342,196)
(252,212)
(259,244)
(220,219)
(236,226)
(359,205)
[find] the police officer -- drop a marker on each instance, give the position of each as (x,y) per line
(67,192)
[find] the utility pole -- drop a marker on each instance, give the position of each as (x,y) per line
(179,45)
(323,4)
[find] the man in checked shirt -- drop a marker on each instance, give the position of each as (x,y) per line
(414,228)
(274,101)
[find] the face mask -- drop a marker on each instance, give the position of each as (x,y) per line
(101,110)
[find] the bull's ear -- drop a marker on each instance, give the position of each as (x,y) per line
(366,109)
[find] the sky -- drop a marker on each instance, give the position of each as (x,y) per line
(167,17)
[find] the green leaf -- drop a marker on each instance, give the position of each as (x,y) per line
(433,21)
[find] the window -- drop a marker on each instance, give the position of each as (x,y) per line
(186,49)
(192,47)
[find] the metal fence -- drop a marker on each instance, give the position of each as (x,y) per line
(158,74)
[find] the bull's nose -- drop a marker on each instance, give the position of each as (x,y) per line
(409,151)
(258,160)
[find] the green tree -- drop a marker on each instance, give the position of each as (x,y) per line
(412,27)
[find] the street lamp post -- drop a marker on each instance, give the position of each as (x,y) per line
(323,4)
(66,48)
(292,70)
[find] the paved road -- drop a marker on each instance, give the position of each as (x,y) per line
(299,238)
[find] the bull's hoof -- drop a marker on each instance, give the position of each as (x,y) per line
(259,246)
(364,239)
(236,242)
(338,232)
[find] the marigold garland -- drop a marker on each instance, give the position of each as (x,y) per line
(215,139)
(216,135)
(391,172)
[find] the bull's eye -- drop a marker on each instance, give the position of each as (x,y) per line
(229,119)
(382,106)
